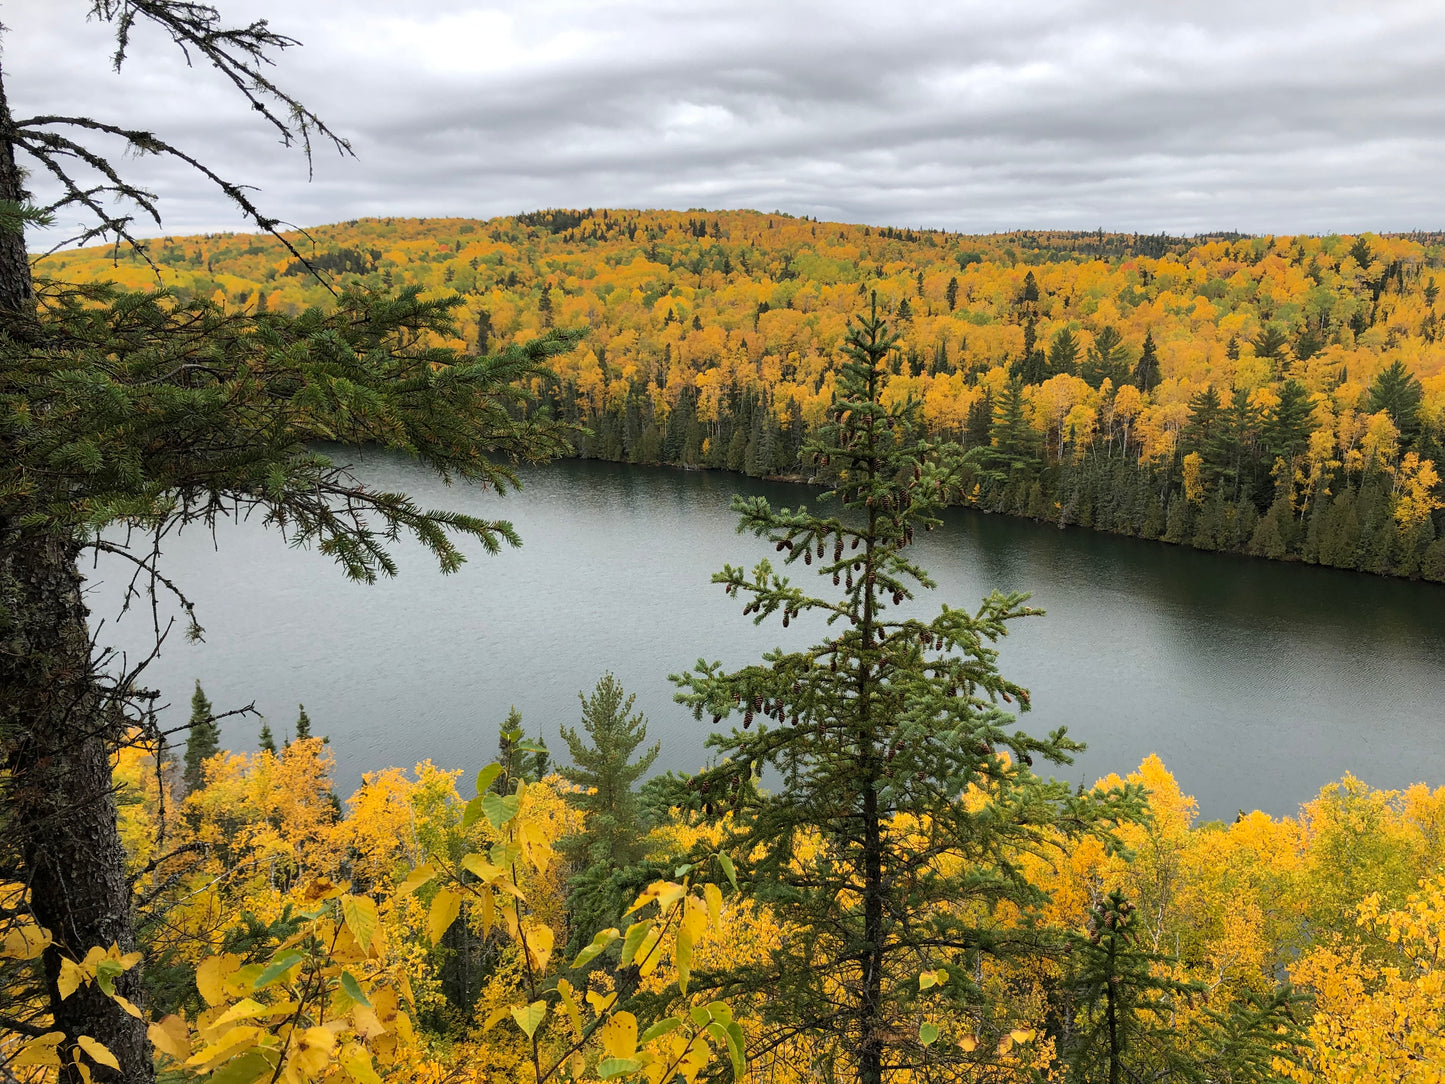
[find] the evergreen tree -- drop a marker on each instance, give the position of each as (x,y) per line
(951,293)
(303,724)
(103,423)
(1146,370)
(611,843)
(1124,1015)
(1107,358)
(1289,423)
(203,739)
(606,767)
(1398,392)
(520,757)
(266,742)
(880,727)
(1013,449)
(1063,353)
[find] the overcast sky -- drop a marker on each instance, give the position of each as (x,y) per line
(1264,116)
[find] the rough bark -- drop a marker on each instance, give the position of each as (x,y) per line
(55,732)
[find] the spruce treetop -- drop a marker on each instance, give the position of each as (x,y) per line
(862,840)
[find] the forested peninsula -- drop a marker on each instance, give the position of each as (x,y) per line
(1277,396)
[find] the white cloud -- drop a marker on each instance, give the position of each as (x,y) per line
(1269,117)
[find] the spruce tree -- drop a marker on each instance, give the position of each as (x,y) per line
(1146,370)
(303,723)
(203,739)
(162,411)
(1398,392)
(880,729)
(606,769)
(611,840)
(520,757)
(266,741)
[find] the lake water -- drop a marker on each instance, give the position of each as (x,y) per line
(1256,682)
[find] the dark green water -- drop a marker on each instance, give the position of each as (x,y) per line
(1256,682)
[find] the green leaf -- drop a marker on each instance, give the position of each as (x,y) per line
(727,868)
(927,1033)
(665,1026)
(106,974)
(635,935)
(737,1049)
(246,1069)
(499,810)
(487,776)
(276,969)
(353,989)
(530,1018)
(614,1067)
(473,812)
(598,946)
(531,747)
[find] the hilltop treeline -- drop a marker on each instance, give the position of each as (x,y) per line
(1281,396)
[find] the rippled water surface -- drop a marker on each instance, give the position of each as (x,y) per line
(1256,682)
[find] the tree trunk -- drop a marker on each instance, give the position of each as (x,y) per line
(55,731)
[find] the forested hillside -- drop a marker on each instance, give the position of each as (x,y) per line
(1282,396)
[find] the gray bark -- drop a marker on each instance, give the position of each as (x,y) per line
(55,732)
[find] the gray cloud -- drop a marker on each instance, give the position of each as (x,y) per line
(1273,117)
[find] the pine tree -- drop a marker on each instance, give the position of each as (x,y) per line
(880,727)
(303,724)
(267,743)
(951,293)
(203,739)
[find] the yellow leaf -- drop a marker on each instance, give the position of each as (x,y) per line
(444,911)
(245,1009)
(170,1036)
(415,879)
(211,975)
(495,1017)
(619,1036)
(968,1043)
(126,1005)
(71,976)
(358,1065)
(313,1050)
(97,1051)
(1005,1045)
(489,911)
(39,1051)
(536,847)
(682,957)
(1022,1035)
(539,940)
(600,1002)
(129,960)
(529,1019)
(480,868)
(359,914)
(926,980)
(714,904)
(25,941)
(663,892)
(564,988)
(648,957)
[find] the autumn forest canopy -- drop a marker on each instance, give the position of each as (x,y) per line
(1277,396)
